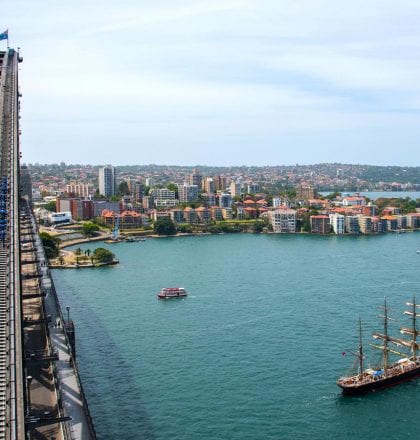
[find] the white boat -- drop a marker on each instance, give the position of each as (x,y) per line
(172,292)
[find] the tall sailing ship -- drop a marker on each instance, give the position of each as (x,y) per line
(389,373)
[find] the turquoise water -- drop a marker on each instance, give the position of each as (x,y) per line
(255,349)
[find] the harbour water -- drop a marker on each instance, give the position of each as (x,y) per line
(373,195)
(255,349)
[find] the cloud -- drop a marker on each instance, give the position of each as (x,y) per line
(220,69)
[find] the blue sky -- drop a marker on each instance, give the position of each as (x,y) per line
(220,82)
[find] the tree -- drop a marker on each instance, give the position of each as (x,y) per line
(50,244)
(164,226)
(184,227)
(98,196)
(89,229)
(333,195)
(50,206)
(173,187)
(123,188)
(78,251)
(257,227)
(102,255)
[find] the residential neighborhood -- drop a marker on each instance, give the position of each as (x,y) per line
(196,202)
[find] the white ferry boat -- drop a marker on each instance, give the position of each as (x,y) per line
(172,292)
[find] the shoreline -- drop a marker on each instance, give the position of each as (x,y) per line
(199,234)
(82,266)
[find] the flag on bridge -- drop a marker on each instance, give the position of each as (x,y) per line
(4,35)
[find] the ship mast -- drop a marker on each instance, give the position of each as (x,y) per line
(360,349)
(385,351)
(414,331)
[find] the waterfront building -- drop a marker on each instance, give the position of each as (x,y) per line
(240,212)
(401,221)
(203,214)
(130,220)
(155,214)
(413,220)
(188,193)
(177,215)
(390,222)
(320,224)
(352,224)
(377,225)
(365,224)
(216,213)
(107,181)
(109,217)
(283,220)
(190,216)
(337,223)
(227,213)
(78,189)
(250,212)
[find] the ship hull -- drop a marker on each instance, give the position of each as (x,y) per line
(354,390)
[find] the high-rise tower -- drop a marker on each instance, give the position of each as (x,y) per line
(107,181)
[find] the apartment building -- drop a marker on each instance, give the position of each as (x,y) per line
(352,224)
(107,181)
(320,224)
(187,193)
(365,224)
(283,220)
(338,223)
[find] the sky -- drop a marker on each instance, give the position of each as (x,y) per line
(218,82)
